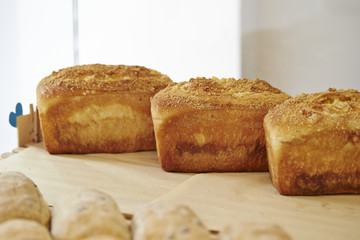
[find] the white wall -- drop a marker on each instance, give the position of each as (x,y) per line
(302,46)
(36,38)
(180,38)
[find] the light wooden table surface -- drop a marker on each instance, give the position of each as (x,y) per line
(136,179)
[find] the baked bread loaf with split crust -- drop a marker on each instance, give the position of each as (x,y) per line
(168,221)
(20,198)
(86,214)
(313,143)
(23,229)
(207,125)
(98,108)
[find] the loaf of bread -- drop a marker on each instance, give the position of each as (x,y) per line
(98,108)
(207,125)
(313,143)
(87,213)
(167,221)
(253,231)
(23,229)
(20,198)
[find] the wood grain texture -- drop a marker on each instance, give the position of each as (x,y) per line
(135,179)
(219,199)
(132,179)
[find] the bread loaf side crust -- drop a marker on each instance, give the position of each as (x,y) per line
(98,108)
(240,230)
(167,221)
(22,229)
(85,213)
(207,125)
(20,198)
(313,143)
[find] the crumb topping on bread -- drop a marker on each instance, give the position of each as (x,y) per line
(214,92)
(215,86)
(99,77)
(333,109)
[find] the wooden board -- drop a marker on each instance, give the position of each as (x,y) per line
(135,179)
(219,198)
(132,179)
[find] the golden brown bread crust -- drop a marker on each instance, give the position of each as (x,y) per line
(98,108)
(85,213)
(313,143)
(240,230)
(73,81)
(20,198)
(207,125)
(23,229)
(167,221)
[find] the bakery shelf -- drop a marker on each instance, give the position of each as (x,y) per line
(135,179)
